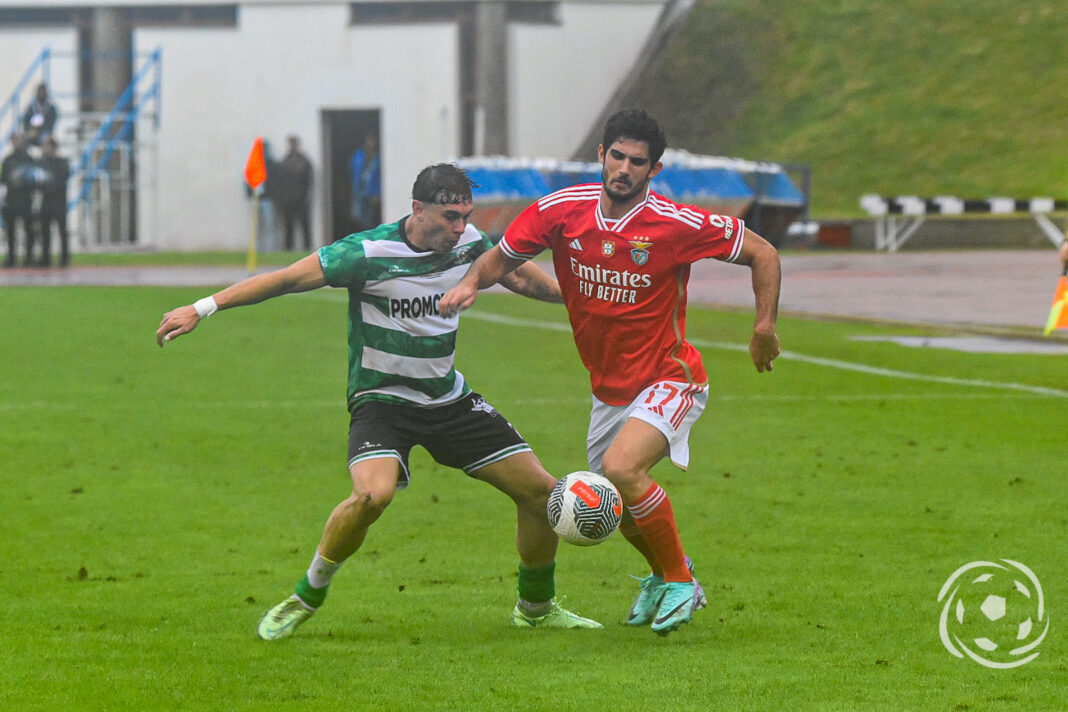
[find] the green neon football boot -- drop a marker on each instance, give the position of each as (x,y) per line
(557,617)
(284,619)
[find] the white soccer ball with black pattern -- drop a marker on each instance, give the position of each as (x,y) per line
(584,508)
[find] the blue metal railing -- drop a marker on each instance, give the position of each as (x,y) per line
(13,106)
(117,125)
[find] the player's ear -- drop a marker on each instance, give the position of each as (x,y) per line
(656,169)
(600,153)
(417,208)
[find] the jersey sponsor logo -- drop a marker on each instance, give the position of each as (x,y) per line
(724,223)
(640,253)
(415,307)
(608,248)
(575,245)
(609,285)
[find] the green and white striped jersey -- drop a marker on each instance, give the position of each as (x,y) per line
(400,348)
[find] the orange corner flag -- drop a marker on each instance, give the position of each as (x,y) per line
(256,167)
(1058,313)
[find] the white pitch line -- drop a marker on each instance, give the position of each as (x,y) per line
(804,358)
(891,373)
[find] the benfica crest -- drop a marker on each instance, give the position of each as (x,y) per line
(640,253)
(608,248)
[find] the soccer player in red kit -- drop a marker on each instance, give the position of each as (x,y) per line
(622,255)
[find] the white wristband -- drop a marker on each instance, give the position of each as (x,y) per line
(205,307)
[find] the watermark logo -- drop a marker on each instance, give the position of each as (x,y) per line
(994,614)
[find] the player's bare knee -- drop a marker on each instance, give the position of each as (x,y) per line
(533,502)
(623,474)
(370,502)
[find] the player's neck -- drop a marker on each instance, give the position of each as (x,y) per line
(413,235)
(613,210)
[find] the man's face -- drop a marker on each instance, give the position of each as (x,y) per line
(626,169)
(438,227)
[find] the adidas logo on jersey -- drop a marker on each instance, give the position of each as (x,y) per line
(575,245)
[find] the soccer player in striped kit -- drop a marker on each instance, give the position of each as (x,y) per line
(404,389)
(622,255)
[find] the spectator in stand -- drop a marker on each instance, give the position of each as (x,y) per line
(39,119)
(55,173)
(366,184)
(16,175)
(291,191)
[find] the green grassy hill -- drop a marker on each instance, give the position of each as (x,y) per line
(921,97)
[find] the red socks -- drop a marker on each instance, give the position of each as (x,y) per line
(654,525)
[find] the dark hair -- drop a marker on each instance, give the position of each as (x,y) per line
(638,125)
(443,184)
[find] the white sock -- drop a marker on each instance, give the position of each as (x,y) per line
(535,610)
(321,571)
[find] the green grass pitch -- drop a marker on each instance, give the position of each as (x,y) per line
(155,502)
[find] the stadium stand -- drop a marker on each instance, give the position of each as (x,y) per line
(759,192)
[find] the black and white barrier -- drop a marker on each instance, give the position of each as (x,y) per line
(897,219)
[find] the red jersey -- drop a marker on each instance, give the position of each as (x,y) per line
(624,281)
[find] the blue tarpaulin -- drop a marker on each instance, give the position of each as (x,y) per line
(776,188)
(685,177)
(689,185)
(507,182)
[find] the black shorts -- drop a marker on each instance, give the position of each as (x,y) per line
(467,434)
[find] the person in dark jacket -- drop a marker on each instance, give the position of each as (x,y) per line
(39,119)
(291,191)
(55,174)
(16,175)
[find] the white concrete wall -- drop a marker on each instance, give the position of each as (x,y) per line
(561,77)
(272,76)
(285,62)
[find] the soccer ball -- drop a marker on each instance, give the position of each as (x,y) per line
(584,508)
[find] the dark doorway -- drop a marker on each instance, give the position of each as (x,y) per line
(344,131)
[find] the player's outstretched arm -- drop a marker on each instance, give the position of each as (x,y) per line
(486,271)
(301,276)
(531,281)
(1064,256)
(763,260)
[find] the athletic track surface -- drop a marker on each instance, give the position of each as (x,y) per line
(1003,290)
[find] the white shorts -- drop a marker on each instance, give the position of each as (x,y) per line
(669,406)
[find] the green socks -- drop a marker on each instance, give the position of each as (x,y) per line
(312,588)
(312,596)
(537,585)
